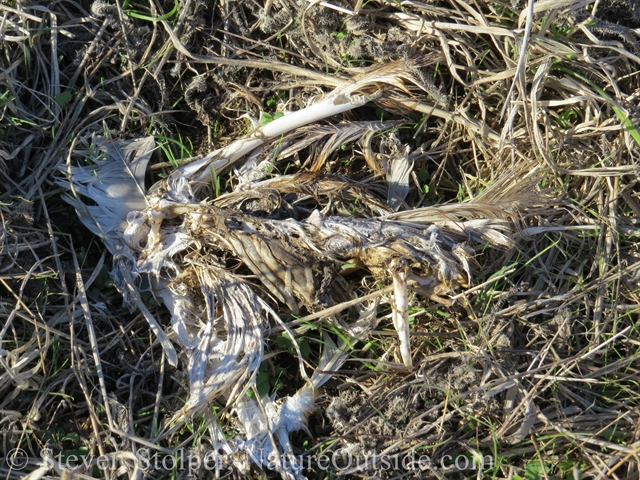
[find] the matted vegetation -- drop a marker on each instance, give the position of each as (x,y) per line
(527,370)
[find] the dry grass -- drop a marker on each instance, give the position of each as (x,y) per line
(534,366)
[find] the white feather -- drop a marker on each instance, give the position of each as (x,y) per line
(285,416)
(114,182)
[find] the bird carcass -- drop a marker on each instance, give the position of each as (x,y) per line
(185,243)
